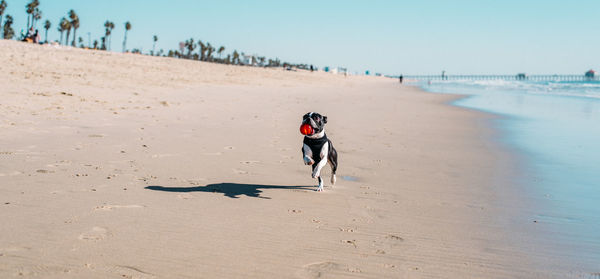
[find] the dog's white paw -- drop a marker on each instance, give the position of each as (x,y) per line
(315,175)
(308,161)
(319,189)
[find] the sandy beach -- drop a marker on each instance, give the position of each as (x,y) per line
(127,166)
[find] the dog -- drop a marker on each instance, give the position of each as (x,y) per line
(317,149)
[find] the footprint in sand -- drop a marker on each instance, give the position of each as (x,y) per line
(352,242)
(111,207)
(185,196)
(389,265)
(162,155)
(59,163)
(196,182)
(47,270)
(388,242)
(394,237)
(126,271)
(238,171)
(323,270)
(354,270)
(347,229)
(96,233)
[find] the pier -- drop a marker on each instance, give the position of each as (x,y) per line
(505,77)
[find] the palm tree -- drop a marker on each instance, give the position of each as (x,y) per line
(8,32)
(108,31)
(30,8)
(47,26)
(2,9)
(62,27)
(209,50)
(236,57)
(37,15)
(155,39)
(202,50)
(67,27)
(75,24)
(190,45)
(127,28)
(220,51)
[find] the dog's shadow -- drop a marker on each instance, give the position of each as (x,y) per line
(231,190)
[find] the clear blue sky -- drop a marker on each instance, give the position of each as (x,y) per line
(391,37)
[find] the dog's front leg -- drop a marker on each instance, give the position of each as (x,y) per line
(317,169)
(307,152)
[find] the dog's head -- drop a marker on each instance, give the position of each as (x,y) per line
(316,121)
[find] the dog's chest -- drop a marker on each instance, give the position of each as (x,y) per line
(315,145)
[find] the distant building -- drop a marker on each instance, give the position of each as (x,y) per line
(590,74)
(339,70)
(521,76)
(248,59)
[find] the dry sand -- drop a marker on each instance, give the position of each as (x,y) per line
(120,165)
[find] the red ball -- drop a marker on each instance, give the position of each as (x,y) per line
(306,129)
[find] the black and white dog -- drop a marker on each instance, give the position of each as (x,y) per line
(317,148)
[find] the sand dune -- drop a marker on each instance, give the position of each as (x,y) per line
(119,165)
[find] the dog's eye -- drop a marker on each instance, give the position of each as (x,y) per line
(305,116)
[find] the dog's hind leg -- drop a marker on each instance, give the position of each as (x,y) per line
(333,179)
(332,158)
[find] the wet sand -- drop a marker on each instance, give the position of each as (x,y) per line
(119,165)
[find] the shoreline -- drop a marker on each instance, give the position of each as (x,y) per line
(134,172)
(568,234)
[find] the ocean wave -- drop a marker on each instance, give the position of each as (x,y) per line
(586,89)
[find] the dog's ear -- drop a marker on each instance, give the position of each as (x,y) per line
(324,119)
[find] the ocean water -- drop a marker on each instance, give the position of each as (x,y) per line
(555,128)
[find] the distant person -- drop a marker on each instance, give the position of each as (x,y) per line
(36,37)
(29,37)
(30,33)
(312,68)
(400,78)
